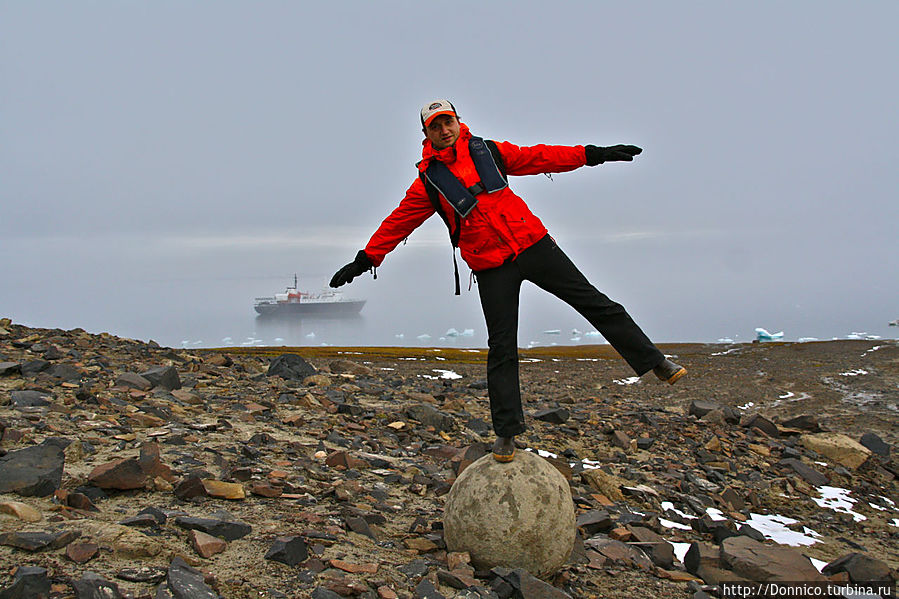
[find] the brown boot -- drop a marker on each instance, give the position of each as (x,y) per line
(669,371)
(504,449)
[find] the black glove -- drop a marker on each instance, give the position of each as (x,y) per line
(598,155)
(352,270)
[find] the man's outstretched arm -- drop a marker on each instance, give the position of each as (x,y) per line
(414,209)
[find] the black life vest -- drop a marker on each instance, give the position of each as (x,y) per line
(438,180)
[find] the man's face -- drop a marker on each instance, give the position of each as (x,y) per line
(443,131)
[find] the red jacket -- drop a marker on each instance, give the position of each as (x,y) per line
(501,226)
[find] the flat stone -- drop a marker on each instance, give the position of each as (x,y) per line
(808,474)
(206,545)
(165,377)
(860,568)
(289,550)
(185,582)
(766,563)
(93,586)
(32,471)
(349,367)
(28,583)
(81,553)
(144,574)
(29,399)
(229,530)
(223,490)
(594,521)
(839,448)
(38,541)
(123,474)
(132,380)
(873,442)
(10,368)
(20,510)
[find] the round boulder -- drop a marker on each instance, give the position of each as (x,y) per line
(517,515)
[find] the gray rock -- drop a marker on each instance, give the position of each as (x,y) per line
(165,377)
(323,593)
(530,587)
(10,368)
(553,415)
(290,367)
(701,555)
(33,471)
(93,586)
(288,550)
(64,372)
(700,407)
(132,380)
(860,567)
(414,569)
(426,590)
(873,442)
(185,582)
(809,474)
(761,423)
(803,422)
(430,416)
(594,521)
(33,367)
(217,527)
(28,583)
(766,563)
(29,399)
(38,541)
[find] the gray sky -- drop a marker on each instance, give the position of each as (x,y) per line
(155,153)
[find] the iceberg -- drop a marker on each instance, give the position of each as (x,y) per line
(451,333)
(423,337)
(468,333)
(763,335)
(552,332)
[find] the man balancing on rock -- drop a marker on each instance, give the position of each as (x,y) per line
(463,178)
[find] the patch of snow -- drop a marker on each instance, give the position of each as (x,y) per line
(628,381)
(786,395)
(677,525)
(444,374)
(818,564)
(838,500)
(746,406)
(856,372)
(725,352)
(680,550)
(774,527)
(715,513)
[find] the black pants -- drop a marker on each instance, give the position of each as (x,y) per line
(547,266)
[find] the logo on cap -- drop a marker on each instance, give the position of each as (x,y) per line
(435,105)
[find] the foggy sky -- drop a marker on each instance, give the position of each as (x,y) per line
(165,162)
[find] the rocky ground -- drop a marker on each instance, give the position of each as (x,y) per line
(133,470)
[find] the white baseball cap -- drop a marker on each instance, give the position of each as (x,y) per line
(434,109)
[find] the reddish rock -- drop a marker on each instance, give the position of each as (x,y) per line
(206,545)
(81,553)
(121,474)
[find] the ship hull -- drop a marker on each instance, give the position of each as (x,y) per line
(311,309)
